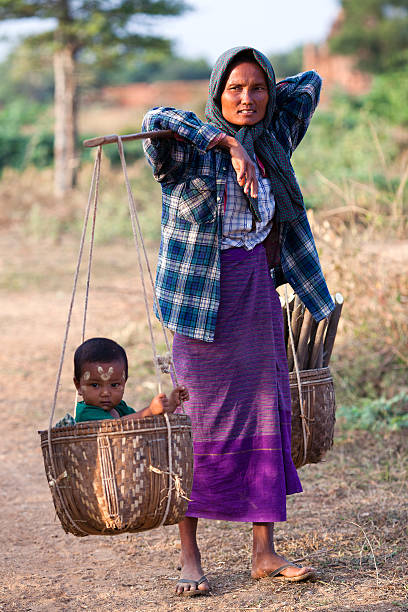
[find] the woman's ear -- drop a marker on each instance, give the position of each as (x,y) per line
(77,386)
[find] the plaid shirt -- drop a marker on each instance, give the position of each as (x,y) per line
(237,218)
(193,178)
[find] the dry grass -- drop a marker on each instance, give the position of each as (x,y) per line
(368,267)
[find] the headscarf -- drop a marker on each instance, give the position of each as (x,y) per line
(258,139)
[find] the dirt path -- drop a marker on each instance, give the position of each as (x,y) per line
(362,485)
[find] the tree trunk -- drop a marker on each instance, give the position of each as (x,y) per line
(65,131)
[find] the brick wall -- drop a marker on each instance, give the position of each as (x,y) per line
(181,94)
(337,71)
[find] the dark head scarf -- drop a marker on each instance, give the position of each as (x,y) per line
(257,139)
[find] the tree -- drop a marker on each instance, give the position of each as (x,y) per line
(375,31)
(27,73)
(148,67)
(104,28)
(287,62)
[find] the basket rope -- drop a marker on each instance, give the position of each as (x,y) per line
(161,363)
(53,477)
(305,426)
(140,245)
(91,245)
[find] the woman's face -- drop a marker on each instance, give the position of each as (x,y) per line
(245,96)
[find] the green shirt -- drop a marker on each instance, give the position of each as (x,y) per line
(87,412)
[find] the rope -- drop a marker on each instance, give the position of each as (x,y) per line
(165,363)
(305,427)
(95,178)
(137,236)
(162,363)
(92,240)
(91,245)
(170,474)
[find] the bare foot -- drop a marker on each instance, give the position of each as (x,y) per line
(263,564)
(191,570)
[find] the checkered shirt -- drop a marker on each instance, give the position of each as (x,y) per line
(193,179)
(237,219)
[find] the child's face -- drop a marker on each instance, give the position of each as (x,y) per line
(102,384)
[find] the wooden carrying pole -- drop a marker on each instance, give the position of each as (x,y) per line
(111,138)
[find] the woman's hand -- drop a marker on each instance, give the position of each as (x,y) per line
(242,164)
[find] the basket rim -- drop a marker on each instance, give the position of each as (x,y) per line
(118,426)
(319,375)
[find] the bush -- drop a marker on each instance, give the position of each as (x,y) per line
(351,157)
(376,415)
(388,97)
(20,144)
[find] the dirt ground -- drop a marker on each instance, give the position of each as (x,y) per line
(350,522)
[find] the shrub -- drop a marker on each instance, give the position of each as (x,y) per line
(376,415)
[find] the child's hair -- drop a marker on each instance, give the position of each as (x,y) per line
(98,349)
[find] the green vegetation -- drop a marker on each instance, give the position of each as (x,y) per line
(359,152)
(25,136)
(376,415)
(287,63)
(376,31)
(388,97)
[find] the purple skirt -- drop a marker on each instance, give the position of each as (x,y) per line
(240,404)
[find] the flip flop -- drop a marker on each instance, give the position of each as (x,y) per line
(305,576)
(196,591)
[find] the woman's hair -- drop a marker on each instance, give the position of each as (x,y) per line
(102,350)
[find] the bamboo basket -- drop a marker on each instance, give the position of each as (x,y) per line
(319,406)
(114,476)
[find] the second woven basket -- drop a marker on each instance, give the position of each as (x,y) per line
(319,408)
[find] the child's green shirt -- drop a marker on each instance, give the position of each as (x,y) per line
(87,412)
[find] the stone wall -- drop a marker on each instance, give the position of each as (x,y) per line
(337,71)
(181,94)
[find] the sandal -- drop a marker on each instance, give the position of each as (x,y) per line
(299,578)
(195,591)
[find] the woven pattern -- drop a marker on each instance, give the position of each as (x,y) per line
(114,477)
(319,407)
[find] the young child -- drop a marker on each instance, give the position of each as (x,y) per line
(100,375)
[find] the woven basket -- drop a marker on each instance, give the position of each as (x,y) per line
(113,476)
(319,406)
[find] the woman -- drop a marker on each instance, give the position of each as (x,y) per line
(233,228)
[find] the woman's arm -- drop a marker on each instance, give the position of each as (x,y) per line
(243,165)
(169,157)
(301,268)
(296,101)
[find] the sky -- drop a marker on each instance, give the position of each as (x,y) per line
(269,25)
(216,25)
